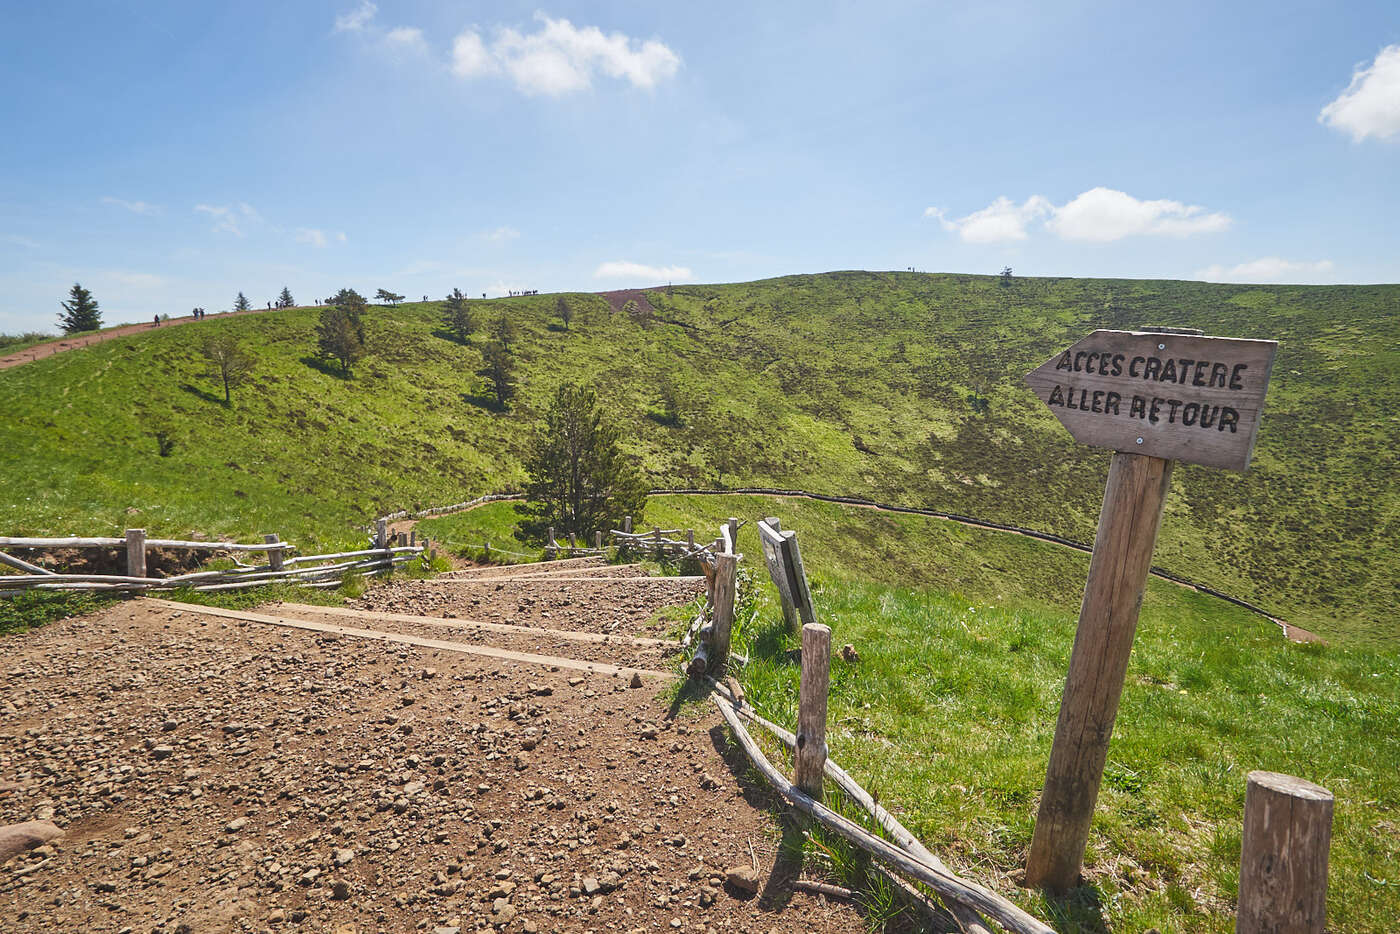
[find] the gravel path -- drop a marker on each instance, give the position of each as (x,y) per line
(217,774)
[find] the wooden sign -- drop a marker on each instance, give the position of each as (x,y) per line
(784,562)
(1179,397)
(1153,397)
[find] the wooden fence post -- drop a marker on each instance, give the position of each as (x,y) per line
(734,532)
(1283,857)
(549,549)
(627,524)
(486,550)
(656,534)
(135,552)
(598,539)
(1132,512)
(274,555)
(690,539)
(810,757)
(724,582)
(804,612)
(381,533)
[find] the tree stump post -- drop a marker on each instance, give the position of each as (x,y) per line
(136,552)
(810,757)
(722,619)
(1283,857)
(274,555)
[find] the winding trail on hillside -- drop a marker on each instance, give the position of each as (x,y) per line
(404,521)
(79,341)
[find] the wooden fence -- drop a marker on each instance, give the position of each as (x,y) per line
(324,570)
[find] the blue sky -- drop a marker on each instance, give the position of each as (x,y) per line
(168,155)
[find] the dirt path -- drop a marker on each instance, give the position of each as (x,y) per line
(79,341)
(219,771)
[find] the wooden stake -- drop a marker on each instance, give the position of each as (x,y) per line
(598,540)
(1128,524)
(274,555)
(734,532)
(627,524)
(726,574)
(136,552)
(810,759)
(381,533)
(1283,857)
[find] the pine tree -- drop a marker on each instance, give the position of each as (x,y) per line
(579,479)
(498,370)
(79,312)
(340,332)
(241,303)
(285,299)
(385,297)
(457,316)
(504,331)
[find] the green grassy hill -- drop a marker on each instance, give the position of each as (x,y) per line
(901,387)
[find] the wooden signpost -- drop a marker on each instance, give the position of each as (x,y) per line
(1153,397)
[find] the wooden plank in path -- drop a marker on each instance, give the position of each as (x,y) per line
(570,634)
(529,658)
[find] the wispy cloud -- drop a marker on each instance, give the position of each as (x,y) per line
(501,234)
(622,269)
(560,58)
(1370,106)
(234,218)
(406,37)
(25,242)
(137,280)
(1270,269)
(1099,215)
(135,207)
(357,19)
(317,237)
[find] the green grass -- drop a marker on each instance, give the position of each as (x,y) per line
(12,343)
(950,710)
(856,383)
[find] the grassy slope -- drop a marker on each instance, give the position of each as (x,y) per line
(847,382)
(964,639)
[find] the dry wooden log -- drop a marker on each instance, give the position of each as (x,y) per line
(16,838)
(823,888)
(20,564)
(971,922)
(700,663)
(944,883)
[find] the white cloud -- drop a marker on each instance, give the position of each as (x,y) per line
(138,280)
(1370,106)
(470,57)
(999,221)
(1103,214)
(560,58)
(135,207)
(621,269)
(501,234)
(230,218)
(1269,269)
(406,37)
(340,236)
(311,235)
(357,19)
(1099,215)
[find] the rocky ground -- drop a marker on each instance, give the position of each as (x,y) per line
(218,774)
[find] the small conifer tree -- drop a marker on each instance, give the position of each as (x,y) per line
(79,312)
